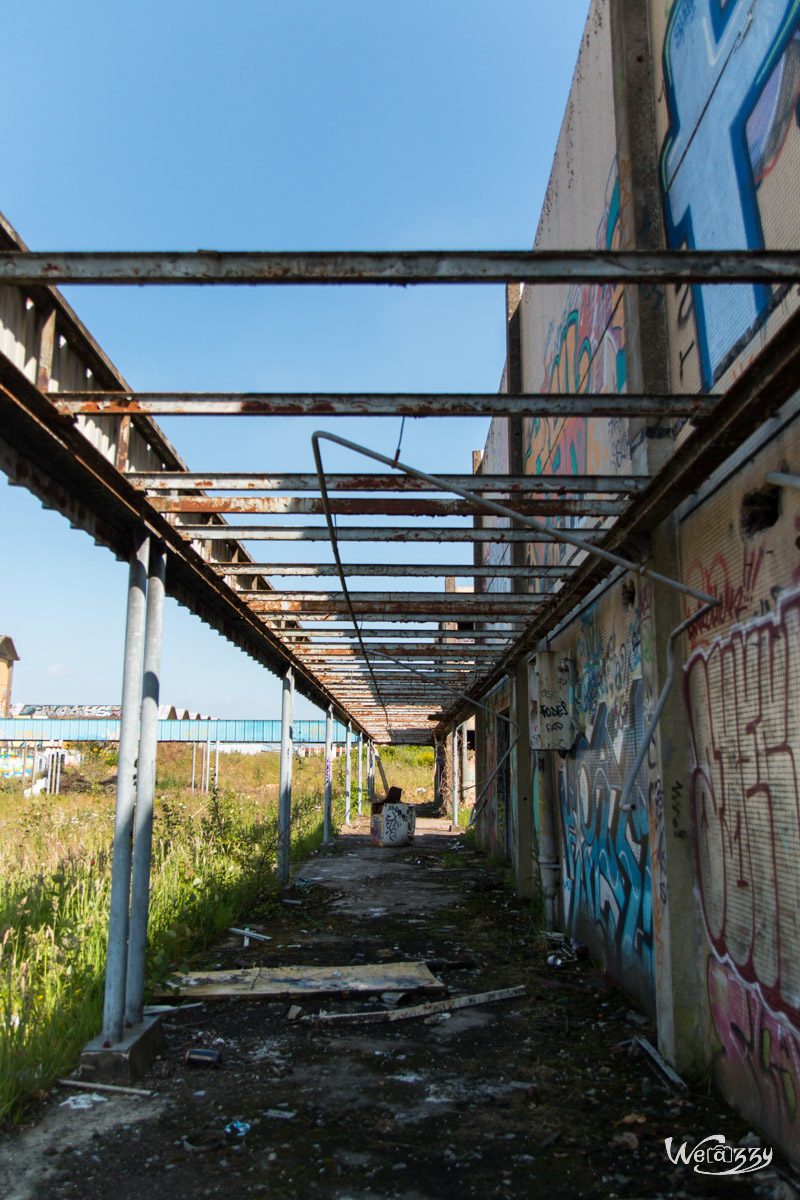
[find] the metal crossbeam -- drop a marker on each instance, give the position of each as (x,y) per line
(381,506)
(367,404)
(306,481)
(32,269)
(360,533)
(394,570)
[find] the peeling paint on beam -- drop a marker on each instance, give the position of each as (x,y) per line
(54,267)
(366,404)
(382,506)
(361,533)
(393,570)
(300,481)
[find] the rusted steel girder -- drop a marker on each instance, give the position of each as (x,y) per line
(367,404)
(394,570)
(58,267)
(480,602)
(305,481)
(362,533)
(387,506)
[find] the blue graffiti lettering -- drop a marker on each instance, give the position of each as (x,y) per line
(718,58)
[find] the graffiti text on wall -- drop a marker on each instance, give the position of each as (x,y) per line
(605,854)
(759,1055)
(742,701)
(732,77)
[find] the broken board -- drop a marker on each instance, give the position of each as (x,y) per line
(275,983)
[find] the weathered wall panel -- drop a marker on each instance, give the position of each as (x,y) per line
(605,852)
(726,112)
(742,696)
(499,816)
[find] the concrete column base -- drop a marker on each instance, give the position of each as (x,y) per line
(126,1061)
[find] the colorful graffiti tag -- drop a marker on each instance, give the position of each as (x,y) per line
(758,1059)
(732,78)
(605,850)
(585,352)
(742,703)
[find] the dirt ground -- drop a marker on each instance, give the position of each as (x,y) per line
(546,1094)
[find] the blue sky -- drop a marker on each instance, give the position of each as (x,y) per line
(299,124)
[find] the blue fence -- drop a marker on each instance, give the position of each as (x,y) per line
(80,729)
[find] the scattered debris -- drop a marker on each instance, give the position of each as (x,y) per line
(203,1139)
(664,1067)
(279,1114)
(81,1103)
(276,982)
(291,903)
(294,1012)
(236,1130)
(417,1010)
(200,1056)
(103,1087)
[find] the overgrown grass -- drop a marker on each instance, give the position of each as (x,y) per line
(212,858)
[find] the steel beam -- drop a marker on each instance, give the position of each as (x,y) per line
(371,506)
(369,404)
(326,823)
(145,787)
(119,904)
(392,570)
(58,267)
(306,481)
(285,782)
(363,533)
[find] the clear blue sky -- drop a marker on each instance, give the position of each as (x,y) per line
(264,124)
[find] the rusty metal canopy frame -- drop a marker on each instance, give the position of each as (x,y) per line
(391,661)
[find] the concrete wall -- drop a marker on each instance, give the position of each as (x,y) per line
(689,893)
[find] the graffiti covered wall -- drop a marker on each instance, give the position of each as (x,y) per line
(605,855)
(499,816)
(742,695)
(727,122)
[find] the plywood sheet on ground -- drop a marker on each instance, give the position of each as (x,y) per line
(278,982)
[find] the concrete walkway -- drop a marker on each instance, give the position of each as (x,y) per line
(546,1094)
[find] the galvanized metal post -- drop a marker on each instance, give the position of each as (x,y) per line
(285,785)
(145,787)
(454,774)
(359,789)
(348,776)
(117,956)
(370,772)
(207,780)
(194,761)
(464,762)
(24,762)
(326,835)
(216,763)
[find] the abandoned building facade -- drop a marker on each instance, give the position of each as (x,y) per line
(681,131)
(637,715)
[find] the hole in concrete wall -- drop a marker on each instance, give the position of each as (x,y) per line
(760,510)
(628,594)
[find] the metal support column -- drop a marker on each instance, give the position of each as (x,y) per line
(370,773)
(145,787)
(454,775)
(348,776)
(464,763)
(359,775)
(326,834)
(285,786)
(117,957)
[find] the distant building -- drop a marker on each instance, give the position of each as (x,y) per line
(8,656)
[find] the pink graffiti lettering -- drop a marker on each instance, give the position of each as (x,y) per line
(759,1056)
(743,715)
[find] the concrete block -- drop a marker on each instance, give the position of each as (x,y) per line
(126,1061)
